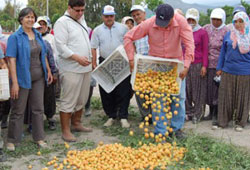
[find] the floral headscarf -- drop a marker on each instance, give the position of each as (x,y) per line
(242,37)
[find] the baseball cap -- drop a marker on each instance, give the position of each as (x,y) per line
(42,18)
(37,25)
(136,7)
(164,13)
(108,10)
(238,9)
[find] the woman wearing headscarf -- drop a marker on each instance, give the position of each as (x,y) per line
(196,78)
(216,31)
(234,68)
(128,21)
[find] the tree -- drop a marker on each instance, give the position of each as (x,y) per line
(229,12)
(153,4)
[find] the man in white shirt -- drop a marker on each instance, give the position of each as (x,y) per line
(74,64)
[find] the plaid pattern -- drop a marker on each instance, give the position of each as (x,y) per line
(142,46)
(234,99)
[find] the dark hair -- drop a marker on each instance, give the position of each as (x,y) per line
(24,12)
(74,3)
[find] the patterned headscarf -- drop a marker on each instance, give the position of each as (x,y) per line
(194,14)
(241,37)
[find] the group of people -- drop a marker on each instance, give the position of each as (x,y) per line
(216,71)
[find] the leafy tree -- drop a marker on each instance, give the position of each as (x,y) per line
(229,11)
(152,4)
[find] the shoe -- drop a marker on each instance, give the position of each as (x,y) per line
(3,157)
(194,120)
(10,146)
(52,124)
(238,128)
(88,112)
(125,123)
(76,124)
(109,122)
(179,134)
(216,127)
(67,136)
(41,144)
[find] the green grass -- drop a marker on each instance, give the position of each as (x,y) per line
(203,151)
(4,167)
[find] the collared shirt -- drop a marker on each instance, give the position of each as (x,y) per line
(231,60)
(71,38)
(107,40)
(142,46)
(163,42)
(1,54)
(18,47)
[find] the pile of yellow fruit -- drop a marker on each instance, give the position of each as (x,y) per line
(117,157)
(155,89)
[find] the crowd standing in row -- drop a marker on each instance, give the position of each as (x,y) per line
(216,70)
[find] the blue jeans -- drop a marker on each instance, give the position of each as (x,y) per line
(178,120)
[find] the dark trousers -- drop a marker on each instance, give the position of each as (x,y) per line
(117,101)
(50,100)
(4,112)
(87,105)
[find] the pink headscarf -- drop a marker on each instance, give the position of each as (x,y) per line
(242,37)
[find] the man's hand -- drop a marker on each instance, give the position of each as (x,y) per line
(131,64)
(94,65)
(14,91)
(55,79)
(218,73)
(82,60)
(203,71)
(183,74)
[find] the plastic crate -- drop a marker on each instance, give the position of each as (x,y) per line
(143,63)
(113,70)
(4,85)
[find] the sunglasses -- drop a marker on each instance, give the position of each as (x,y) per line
(78,10)
(108,16)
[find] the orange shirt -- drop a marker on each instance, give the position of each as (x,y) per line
(164,42)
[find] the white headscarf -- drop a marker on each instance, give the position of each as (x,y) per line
(194,14)
(218,13)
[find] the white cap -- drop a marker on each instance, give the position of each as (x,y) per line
(137,7)
(37,25)
(125,19)
(108,10)
(193,14)
(42,18)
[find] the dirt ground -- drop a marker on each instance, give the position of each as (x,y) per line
(240,139)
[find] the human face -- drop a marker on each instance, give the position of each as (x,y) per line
(138,16)
(216,22)
(129,24)
(239,24)
(108,20)
(76,12)
(44,26)
(28,21)
(191,21)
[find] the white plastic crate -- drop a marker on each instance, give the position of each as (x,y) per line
(113,70)
(4,85)
(143,63)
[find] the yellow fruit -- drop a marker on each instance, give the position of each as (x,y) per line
(131,133)
(146,118)
(30,166)
(38,153)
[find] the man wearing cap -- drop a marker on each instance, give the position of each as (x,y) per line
(74,64)
(107,37)
(166,31)
(139,15)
